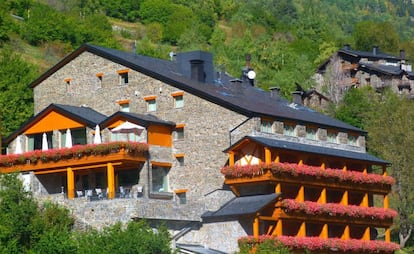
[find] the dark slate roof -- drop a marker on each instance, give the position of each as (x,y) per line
(84,115)
(386,69)
(236,96)
(300,147)
(198,249)
(141,119)
(242,206)
(368,54)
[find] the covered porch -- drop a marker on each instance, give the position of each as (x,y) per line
(102,170)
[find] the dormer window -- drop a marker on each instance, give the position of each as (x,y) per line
(331,136)
(352,140)
(311,133)
(123,77)
(266,126)
(289,129)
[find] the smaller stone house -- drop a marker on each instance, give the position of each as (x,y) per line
(374,68)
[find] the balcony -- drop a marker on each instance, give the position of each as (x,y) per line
(308,176)
(80,156)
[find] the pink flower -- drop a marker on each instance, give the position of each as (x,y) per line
(306,170)
(318,244)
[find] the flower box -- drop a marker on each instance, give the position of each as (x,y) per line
(307,172)
(320,245)
(78,151)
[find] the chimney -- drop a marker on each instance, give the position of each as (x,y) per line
(375,50)
(297,97)
(347,47)
(274,92)
(197,70)
(402,54)
(196,65)
(248,74)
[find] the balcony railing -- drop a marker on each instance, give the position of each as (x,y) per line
(76,155)
(308,175)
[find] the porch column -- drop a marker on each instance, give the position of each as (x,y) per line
(256,226)
(386,201)
(387,235)
(302,230)
(345,235)
(70,183)
(268,155)
(111,180)
(344,200)
(231,158)
(324,233)
(279,228)
(367,234)
(301,194)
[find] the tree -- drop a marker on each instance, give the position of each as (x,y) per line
(135,237)
(390,128)
(368,34)
(16,100)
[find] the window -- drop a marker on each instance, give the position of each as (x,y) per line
(124,104)
(311,133)
(79,136)
(178,99)
(179,129)
(123,77)
(352,140)
(266,126)
(36,140)
(67,80)
(160,178)
(180,159)
(99,76)
(151,103)
(181,194)
(289,129)
(331,137)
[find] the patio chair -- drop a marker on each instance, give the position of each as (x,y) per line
(79,193)
(99,192)
(121,192)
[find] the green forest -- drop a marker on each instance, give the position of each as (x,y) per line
(287,39)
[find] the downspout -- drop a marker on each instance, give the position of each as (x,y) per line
(237,128)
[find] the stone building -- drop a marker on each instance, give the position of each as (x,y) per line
(165,166)
(356,68)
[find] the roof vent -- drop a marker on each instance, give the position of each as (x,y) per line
(274,92)
(375,50)
(347,47)
(297,97)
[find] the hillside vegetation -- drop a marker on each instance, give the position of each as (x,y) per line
(287,39)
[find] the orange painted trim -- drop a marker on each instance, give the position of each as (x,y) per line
(161,164)
(122,71)
(180,125)
(115,124)
(180,191)
(99,75)
(149,98)
(175,94)
(179,155)
(122,102)
(53,121)
(67,80)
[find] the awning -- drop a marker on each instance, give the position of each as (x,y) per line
(242,206)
